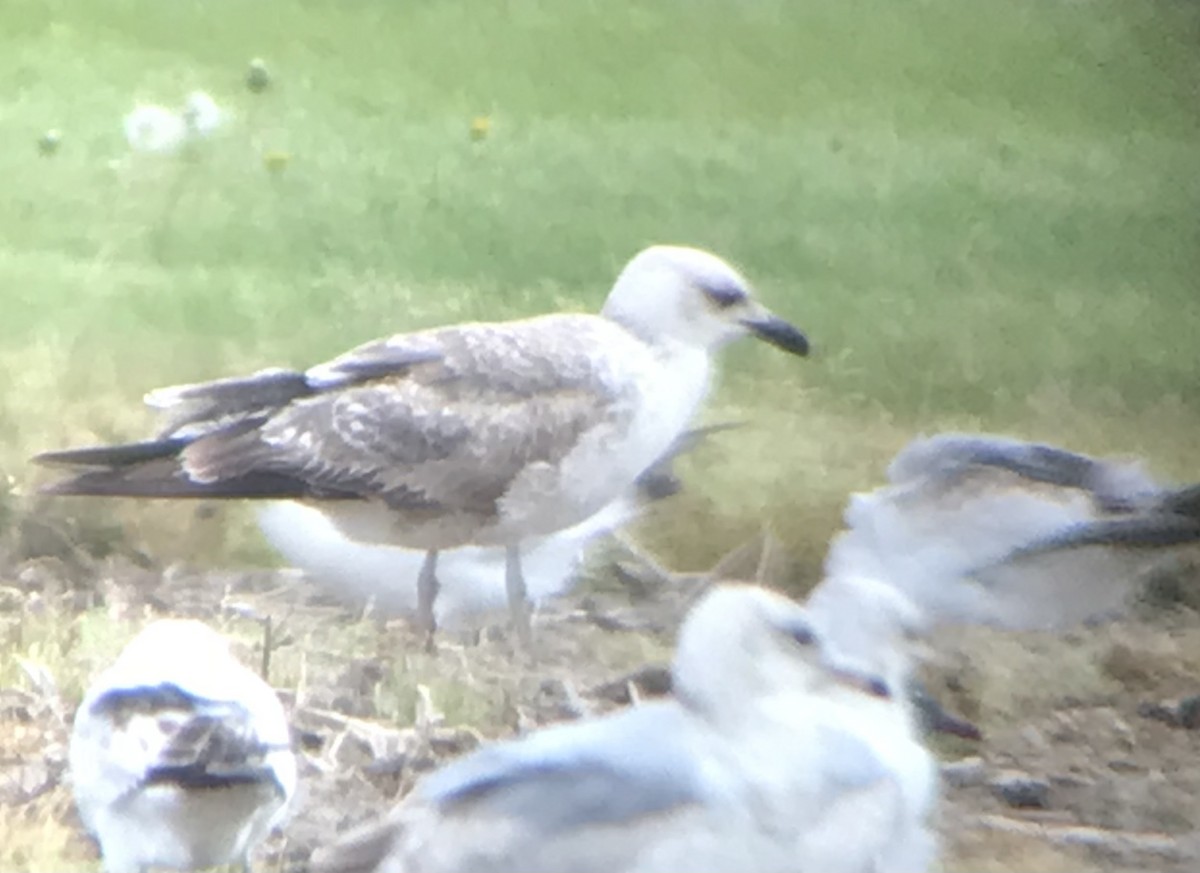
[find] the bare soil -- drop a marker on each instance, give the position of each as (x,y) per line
(1088,726)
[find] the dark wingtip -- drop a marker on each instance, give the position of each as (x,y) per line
(123,455)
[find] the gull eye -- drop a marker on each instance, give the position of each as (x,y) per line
(724,296)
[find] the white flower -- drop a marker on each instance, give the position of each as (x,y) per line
(202,114)
(153,128)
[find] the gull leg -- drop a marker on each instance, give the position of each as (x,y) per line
(427,591)
(518,597)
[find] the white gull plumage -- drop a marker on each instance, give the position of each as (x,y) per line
(180,756)
(759,763)
(473,434)
(982,529)
(471,578)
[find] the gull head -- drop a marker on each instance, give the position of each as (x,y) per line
(870,627)
(743,642)
(690,296)
(173,640)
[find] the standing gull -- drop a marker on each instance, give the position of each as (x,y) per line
(751,767)
(485,434)
(180,756)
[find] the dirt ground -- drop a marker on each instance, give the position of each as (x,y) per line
(1090,758)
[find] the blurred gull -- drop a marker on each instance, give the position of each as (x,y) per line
(180,756)
(471,577)
(472,434)
(870,628)
(757,764)
(981,529)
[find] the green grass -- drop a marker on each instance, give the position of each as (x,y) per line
(984,215)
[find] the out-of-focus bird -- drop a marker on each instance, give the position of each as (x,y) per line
(976,529)
(471,578)
(758,763)
(473,434)
(980,529)
(180,756)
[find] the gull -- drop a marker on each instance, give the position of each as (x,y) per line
(983,529)
(484,434)
(755,764)
(470,577)
(180,756)
(871,628)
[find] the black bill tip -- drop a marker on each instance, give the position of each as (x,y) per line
(779,333)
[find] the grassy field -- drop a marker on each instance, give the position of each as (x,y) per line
(984,215)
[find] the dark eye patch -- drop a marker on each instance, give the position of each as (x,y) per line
(725,296)
(802,634)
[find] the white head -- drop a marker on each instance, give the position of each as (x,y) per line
(693,297)
(742,643)
(869,626)
(176,637)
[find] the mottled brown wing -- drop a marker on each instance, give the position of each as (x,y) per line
(451,433)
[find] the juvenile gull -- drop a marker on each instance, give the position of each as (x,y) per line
(180,757)
(757,765)
(471,577)
(870,628)
(981,529)
(473,434)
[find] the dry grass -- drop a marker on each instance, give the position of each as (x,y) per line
(373,712)
(984,215)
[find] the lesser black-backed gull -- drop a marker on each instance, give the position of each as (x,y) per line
(474,434)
